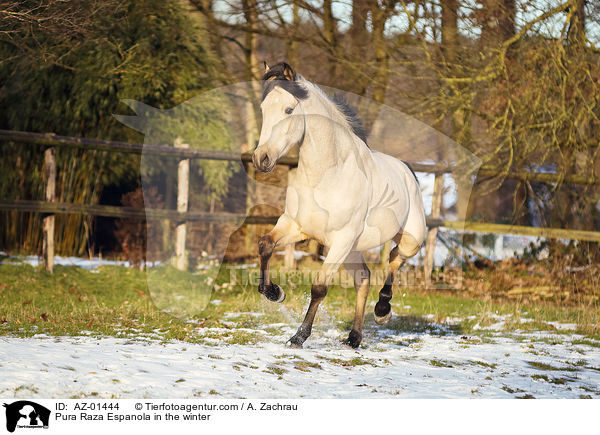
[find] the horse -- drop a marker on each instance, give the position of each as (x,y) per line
(345,195)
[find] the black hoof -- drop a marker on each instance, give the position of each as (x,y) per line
(296,341)
(383,311)
(354,339)
(273,292)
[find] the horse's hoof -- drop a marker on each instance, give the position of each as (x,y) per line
(381,320)
(354,339)
(274,293)
(296,342)
(281,297)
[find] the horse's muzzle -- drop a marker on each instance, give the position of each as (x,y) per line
(263,162)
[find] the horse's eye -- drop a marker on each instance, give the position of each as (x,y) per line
(289,110)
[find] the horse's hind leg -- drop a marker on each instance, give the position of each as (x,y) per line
(356,266)
(286,231)
(406,248)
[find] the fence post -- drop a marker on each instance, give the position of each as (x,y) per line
(48,225)
(436,205)
(166,223)
(183,186)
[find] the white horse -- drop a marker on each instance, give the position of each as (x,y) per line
(343,194)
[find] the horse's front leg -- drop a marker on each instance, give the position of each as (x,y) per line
(335,257)
(286,231)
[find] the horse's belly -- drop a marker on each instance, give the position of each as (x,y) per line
(381,225)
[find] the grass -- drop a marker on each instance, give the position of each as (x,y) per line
(305,366)
(440,363)
(357,361)
(485,364)
(114,301)
(543,366)
(118,301)
(273,369)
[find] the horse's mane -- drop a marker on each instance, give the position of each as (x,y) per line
(351,116)
(346,111)
(284,76)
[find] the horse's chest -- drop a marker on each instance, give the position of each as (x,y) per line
(328,206)
(301,206)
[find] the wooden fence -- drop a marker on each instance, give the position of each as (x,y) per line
(181,215)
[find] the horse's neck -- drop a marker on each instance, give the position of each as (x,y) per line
(322,148)
(317,155)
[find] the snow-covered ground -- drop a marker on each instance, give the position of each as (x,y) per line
(85,263)
(391,364)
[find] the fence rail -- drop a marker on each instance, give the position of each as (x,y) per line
(131,212)
(239,218)
(51,139)
(49,208)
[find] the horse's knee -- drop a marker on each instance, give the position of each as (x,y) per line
(266,244)
(318,291)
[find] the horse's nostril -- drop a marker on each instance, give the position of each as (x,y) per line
(264,162)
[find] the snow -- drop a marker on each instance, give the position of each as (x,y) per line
(436,364)
(297,254)
(85,263)
(563,326)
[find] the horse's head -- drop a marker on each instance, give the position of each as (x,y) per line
(283,117)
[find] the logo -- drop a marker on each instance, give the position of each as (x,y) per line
(26,414)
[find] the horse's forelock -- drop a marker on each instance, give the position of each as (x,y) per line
(283,75)
(294,88)
(280,71)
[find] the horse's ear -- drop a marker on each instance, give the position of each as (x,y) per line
(289,73)
(266,66)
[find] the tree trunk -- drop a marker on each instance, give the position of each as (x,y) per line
(330,32)
(497,26)
(205,7)
(450,31)
(291,45)
(498,23)
(576,34)
(382,68)
(357,80)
